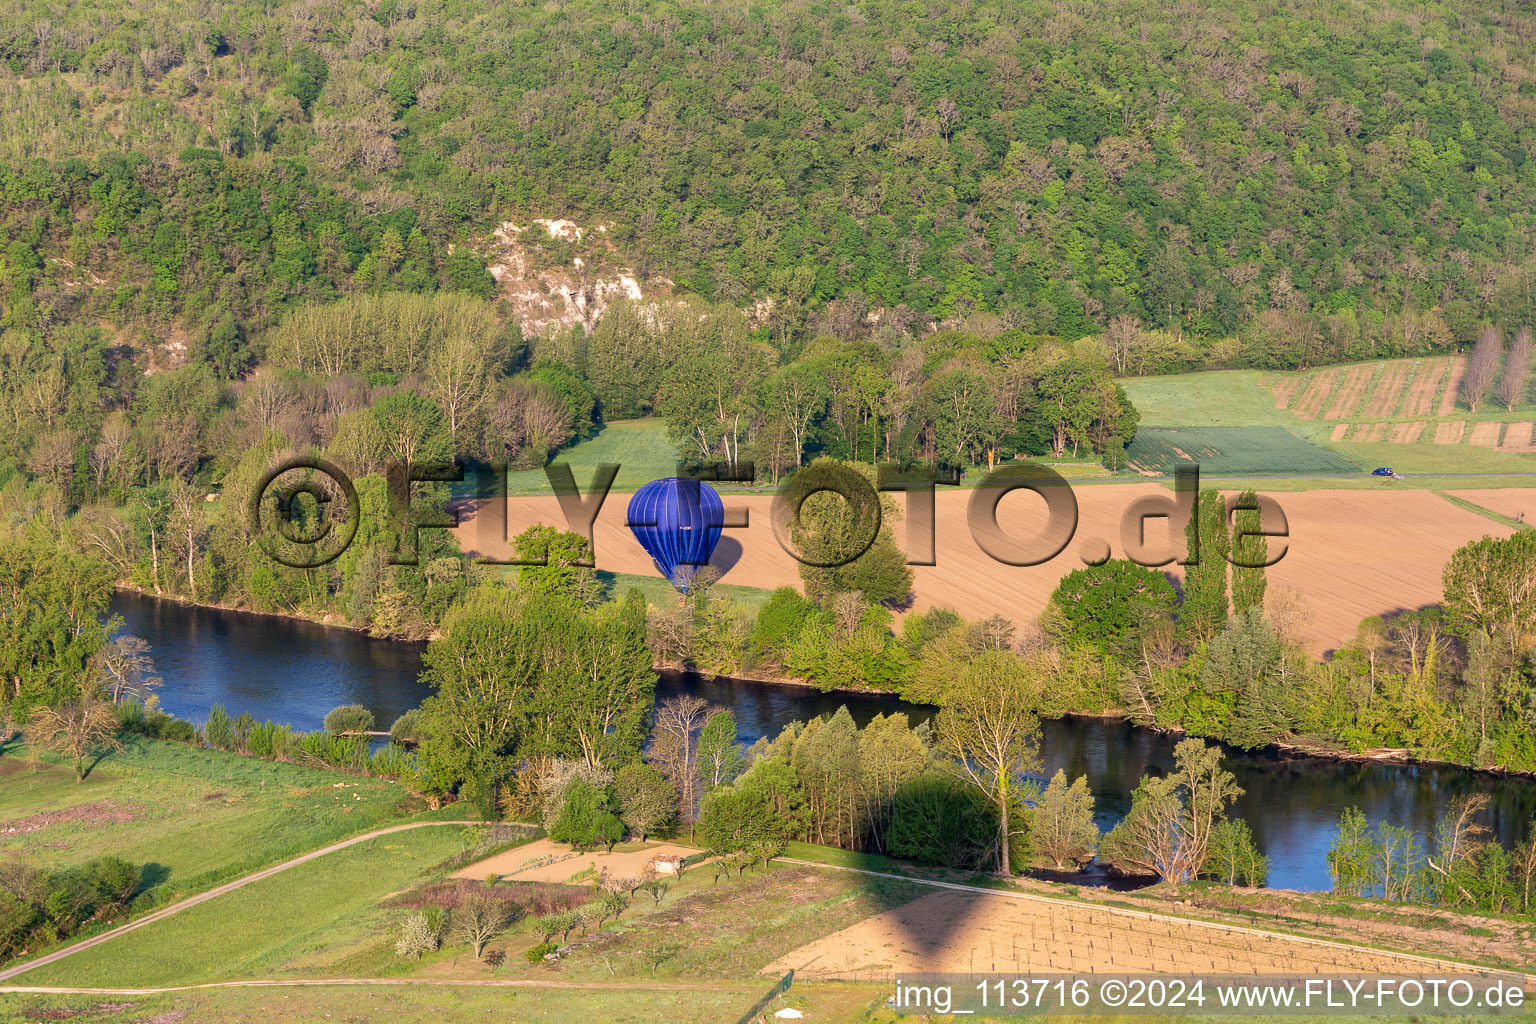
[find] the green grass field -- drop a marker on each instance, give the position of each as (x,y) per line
(193,817)
(1218,398)
(613,1003)
(1236,451)
(640,447)
(1233,399)
(293,923)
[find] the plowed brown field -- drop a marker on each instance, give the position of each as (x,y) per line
(1347,399)
(1452,388)
(964,932)
(1351,553)
(1420,400)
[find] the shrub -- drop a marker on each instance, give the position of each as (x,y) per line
(327,751)
(585,819)
(349,718)
(407,728)
(269,740)
(417,937)
(394,762)
(940,820)
(219,733)
(537,953)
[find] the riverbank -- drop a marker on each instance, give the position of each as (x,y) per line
(294,671)
(330,620)
(1293,747)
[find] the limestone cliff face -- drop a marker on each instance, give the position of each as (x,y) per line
(557,274)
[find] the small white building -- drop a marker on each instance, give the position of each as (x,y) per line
(667,864)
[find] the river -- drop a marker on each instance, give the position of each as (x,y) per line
(292,671)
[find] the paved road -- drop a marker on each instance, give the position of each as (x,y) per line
(203,897)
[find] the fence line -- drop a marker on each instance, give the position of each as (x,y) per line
(780,986)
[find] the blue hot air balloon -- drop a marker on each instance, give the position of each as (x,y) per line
(677,520)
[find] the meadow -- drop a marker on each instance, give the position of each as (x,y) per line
(296,923)
(1233,451)
(191,817)
(1402,413)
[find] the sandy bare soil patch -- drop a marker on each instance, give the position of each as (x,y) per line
(1450,432)
(1339,430)
(1347,398)
(1420,399)
(1517,438)
(1486,435)
(1517,503)
(546,861)
(1407,433)
(1351,553)
(1389,388)
(956,932)
(1452,387)
(1310,405)
(1284,390)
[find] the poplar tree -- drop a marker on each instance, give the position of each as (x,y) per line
(1250,551)
(1205,608)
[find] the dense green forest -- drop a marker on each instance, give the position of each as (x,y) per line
(1050,165)
(898,233)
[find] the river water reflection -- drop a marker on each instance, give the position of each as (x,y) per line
(294,672)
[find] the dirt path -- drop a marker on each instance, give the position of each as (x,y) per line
(1450,431)
(1486,434)
(203,897)
(1284,390)
(1519,437)
(647,986)
(1068,935)
(546,861)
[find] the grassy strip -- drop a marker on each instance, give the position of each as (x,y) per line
(267,928)
(403,1004)
(1486,513)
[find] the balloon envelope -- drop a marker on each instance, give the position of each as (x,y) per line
(677,520)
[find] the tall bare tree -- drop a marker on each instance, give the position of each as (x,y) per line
(1482,368)
(188,526)
(127,669)
(1517,367)
(1120,338)
(77,729)
(675,747)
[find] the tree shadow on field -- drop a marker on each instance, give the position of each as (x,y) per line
(911,925)
(151,875)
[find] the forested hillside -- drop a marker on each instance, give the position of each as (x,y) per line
(1052,163)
